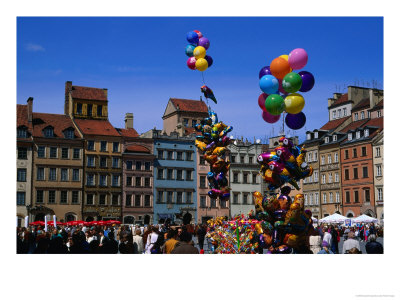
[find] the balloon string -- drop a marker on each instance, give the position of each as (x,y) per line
(202,75)
(283,124)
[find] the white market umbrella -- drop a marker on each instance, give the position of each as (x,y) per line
(335,218)
(365,219)
(315,220)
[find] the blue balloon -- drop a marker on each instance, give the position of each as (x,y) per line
(295,121)
(189,50)
(192,37)
(269,84)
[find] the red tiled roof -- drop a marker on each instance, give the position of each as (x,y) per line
(361,105)
(377,122)
(96,127)
(354,125)
(342,99)
(131,132)
(58,122)
(138,148)
(334,124)
(88,93)
(189,105)
(22,115)
(379,105)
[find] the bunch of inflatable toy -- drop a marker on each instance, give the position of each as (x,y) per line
(213,143)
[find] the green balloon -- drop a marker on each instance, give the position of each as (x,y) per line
(292,82)
(275,104)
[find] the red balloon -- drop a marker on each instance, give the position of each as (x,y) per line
(261,101)
(191,63)
(198,33)
(270,118)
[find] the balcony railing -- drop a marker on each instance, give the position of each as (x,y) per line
(329,167)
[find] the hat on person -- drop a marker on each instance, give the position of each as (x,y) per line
(325,244)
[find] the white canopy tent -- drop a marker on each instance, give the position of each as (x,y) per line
(364,219)
(315,220)
(335,218)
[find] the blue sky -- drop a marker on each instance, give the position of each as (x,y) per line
(142,62)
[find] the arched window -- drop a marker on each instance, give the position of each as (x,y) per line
(70,217)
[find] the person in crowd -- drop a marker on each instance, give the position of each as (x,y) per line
(171,242)
(373,247)
(201,233)
(346,234)
(103,241)
(315,242)
(126,245)
(152,239)
(354,251)
(335,239)
(138,240)
(184,246)
(112,245)
(325,248)
(350,243)
(146,232)
(327,237)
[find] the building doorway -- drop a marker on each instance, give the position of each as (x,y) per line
(129,220)
(39,217)
(89,219)
(146,220)
(350,215)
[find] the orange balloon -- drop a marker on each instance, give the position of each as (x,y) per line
(279,67)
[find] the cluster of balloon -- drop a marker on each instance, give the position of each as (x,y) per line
(284,164)
(284,224)
(213,143)
(280,86)
(196,50)
(234,236)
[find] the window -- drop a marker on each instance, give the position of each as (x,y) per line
(170,155)
(137,200)
(40,174)
(90,145)
(115,162)
(160,196)
(378,170)
(213,203)
(311,199)
(316,176)
(160,154)
(99,110)
(306,199)
(254,181)
(39,196)
(75,197)
(102,199)
(245,178)
(365,172)
(89,109)
(337,197)
(189,197)
(115,200)
(308,136)
(189,175)
(202,181)
(330,178)
(235,198)
(179,155)
(186,122)
(364,151)
(346,154)
(242,159)
(355,152)
(233,158)
(323,179)
(48,132)
(245,198)
(347,197)
(344,112)
(336,158)
(310,179)
(53,152)
(315,156)
(316,198)
(324,198)
(380,194)
(378,152)
(79,108)
(169,197)
(203,203)
(90,161)
(103,146)
(366,132)
(160,174)
(103,180)
(379,113)
(115,180)
(350,136)
(52,174)
(322,160)
(52,197)
(75,174)
(327,139)
(90,199)
(41,152)
(316,134)
(128,200)
(235,177)
(138,181)
(147,181)
(64,174)
(250,159)
(336,177)
(335,138)
(115,146)
(20,198)
(189,156)
(64,197)
(358,134)
(334,114)
(77,153)
(138,165)
(369,114)
(21,133)
(170,173)
(128,164)
(64,153)
(355,172)
(69,133)
(339,113)
(21,175)
(194,123)
(362,115)
(179,175)
(309,156)
(329,159)
(356,117)
(346,174)
(179,197)
(90,179)
(356,197)
(103,162)
(147,166)
(147,200)
(367,195)
(129,181)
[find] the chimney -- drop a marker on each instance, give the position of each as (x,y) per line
(337,95)
(30,104)
(106,93)
(129,121)
(68,88)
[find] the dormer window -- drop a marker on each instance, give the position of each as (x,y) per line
(69,133)
(350,136)
(334,114)
(48,132)
(335,138)
(366,132)
(308,136)
(379,113)
(344,112)
(362,117)
(316,134)
(356,117)
(339,113)
(358,134)
(327,139)
(22,132)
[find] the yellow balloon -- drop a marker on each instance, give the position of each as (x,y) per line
(286,57)
(199,52)
(294,103)
(201,64)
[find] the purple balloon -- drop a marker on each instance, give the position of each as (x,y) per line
(209,60)
(270,118)
(204,42)
(295,121)
(264,71)
(308,81)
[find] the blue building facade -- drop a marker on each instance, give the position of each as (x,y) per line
(175,179)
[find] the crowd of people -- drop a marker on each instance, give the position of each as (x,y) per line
(167,239)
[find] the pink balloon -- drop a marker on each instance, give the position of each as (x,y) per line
(191,63)
(261,101)
(298,58)
(270,118)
